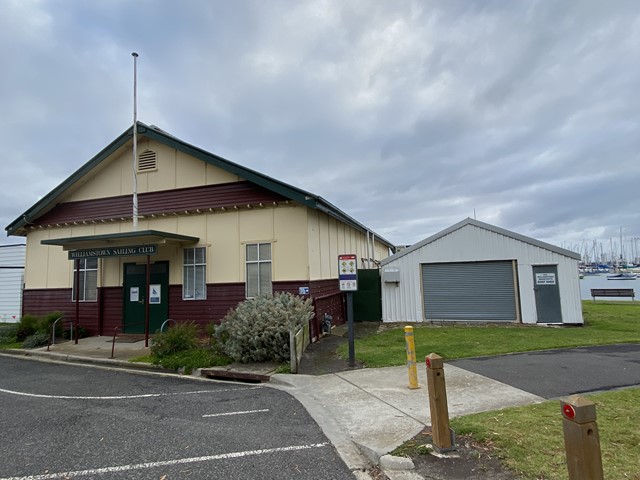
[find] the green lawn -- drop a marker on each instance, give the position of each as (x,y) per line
(605,323)
(529,440)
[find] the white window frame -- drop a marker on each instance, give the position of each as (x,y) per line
(199,291)
(88,273)
(259,262)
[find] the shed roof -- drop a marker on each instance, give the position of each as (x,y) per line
(486,226)
(289,191)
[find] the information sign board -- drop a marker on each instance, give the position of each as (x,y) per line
(348,272)
(545,278)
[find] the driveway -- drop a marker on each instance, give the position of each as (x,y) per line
(559,373)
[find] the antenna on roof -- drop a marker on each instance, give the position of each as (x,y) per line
(135,142)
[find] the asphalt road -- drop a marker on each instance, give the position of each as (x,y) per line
(559,373)
(67,421)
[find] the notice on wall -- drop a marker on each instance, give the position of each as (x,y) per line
(545,278)
(134,294)
(154,294)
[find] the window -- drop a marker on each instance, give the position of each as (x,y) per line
(87,281)
(258,258)
(194,285)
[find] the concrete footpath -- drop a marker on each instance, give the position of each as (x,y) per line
(365,413)
(369,412)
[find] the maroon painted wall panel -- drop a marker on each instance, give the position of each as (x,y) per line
(330,300)
(324,287)
(293,287)
(221,297)
(166,201)
(327,298)
(111,309)
(44,301)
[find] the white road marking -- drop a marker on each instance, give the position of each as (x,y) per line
(235,413)
(167,463)
(121,397)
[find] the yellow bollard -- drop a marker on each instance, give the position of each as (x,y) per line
(411,357)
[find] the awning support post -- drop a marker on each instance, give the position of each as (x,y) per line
(146,303)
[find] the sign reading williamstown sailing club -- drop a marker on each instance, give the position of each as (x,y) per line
(114,251)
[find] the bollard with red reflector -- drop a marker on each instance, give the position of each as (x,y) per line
(581,439)
(443,437)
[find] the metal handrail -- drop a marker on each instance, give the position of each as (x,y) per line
(53,330)
(165,322)
(115,332)
(113,342)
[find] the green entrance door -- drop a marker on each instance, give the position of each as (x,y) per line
(136,292)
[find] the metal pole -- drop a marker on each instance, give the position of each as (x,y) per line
(135,141)
(146,303)
(77,290)
(368,252)
(352,355)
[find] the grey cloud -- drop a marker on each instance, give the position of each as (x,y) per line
(523,111)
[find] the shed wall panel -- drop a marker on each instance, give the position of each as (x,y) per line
(12,260)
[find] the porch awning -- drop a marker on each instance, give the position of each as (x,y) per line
(142,237)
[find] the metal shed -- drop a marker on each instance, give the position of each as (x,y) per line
(476,272)
(11,281)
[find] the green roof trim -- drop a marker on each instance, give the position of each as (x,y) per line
(288,191)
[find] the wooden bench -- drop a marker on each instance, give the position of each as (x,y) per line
(613,292)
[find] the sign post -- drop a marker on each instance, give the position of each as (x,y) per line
(348,278)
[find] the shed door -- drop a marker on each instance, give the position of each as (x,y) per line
(547,292)
(470,291)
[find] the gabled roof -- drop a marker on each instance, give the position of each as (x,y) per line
(486,226)
(289,191)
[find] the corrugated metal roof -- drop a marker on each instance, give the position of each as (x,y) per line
(486,226)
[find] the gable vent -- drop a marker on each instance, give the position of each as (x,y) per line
(147,161)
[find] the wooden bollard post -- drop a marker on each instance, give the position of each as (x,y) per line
(411,357)
(581,439)
(442,435)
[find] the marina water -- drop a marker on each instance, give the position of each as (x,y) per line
(600,281)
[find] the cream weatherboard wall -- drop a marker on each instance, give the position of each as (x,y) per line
(305,242)
(306,232)
(175,169)
(305,246)
(329,238)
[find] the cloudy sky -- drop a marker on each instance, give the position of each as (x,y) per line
(408,115)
